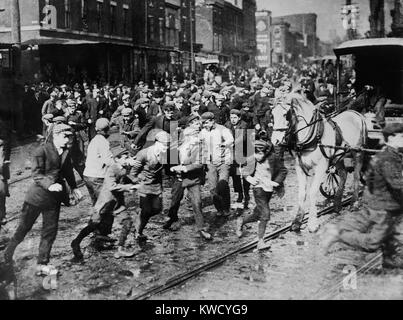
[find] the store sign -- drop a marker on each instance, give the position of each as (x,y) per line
(263,44)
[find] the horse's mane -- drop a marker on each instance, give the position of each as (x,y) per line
(296,98)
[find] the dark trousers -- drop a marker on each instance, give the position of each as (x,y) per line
(150,205)
(94,186)
(262,209)
(50,222)
(241,186)
(91,131)
(104,227)
(194,193)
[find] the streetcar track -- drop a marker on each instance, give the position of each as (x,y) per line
(215,262)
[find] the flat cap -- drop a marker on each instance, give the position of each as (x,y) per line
(191,118)
(125,97)
(262,145)
(207,116)
(236,112)
(393,128)
(101,124)
(163,137)
(62,128)
(48,116)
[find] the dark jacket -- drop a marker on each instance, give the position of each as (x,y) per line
(384,181)
(48,167)
(157,123)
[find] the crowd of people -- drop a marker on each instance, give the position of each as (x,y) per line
(194,133)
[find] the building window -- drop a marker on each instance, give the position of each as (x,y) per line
(161,30)
(67,14)
(125,19)
(151,28)
(84,14)
(113,17)
(172,26)
(100,10)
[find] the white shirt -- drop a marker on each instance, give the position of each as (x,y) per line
(99,157)
(213,151)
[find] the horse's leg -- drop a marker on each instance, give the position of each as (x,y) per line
(342,173)
(358,164)
(320,172)
(302,184)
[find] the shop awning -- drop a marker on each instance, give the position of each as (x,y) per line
(63,41)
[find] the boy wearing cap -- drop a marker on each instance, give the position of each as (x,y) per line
(379,224)
(52,166)
(190,176)
(242,146)
(267,177)
(75,119)
(147,167)
(217,142)
(129,127)
(115,183)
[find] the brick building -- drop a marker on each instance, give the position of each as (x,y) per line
(163,33)
(304,28)
(386,18)
(72,40)
(227,31)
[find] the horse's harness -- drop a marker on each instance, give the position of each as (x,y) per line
(312,141)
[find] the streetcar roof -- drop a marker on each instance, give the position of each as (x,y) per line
(354,46)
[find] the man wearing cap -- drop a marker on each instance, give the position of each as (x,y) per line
(217,142)
(116,182)
(261,107)
(52,167)
(222,113)
(190,176)
(129,127)
(118,112)
(147,112)
(147,168)
(243,149)
(162,122)
(75,119)
(99,158)
(94,107)
(379,224)
(50,104)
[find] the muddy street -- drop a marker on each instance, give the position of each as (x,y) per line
(294,267)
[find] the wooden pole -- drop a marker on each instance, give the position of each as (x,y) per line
(16,43)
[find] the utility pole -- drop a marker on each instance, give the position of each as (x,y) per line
(192,65)
(16,45)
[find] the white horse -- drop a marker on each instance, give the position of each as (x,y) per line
(308,131)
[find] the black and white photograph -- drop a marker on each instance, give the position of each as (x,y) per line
(214,151)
